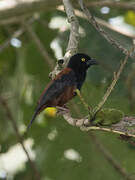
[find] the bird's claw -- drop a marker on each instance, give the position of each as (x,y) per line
(62,110)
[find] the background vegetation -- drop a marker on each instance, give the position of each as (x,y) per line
(60,151)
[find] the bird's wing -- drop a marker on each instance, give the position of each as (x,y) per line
(63,80)
(56,88)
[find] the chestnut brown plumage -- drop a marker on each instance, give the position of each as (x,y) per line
(62,88)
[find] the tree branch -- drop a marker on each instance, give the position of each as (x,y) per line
(73,38)
(102,23)
(39,45)
(124,127)
(16,34)
(111,87)
(100,147)
(12,9)
(108,156)
(92,21)
(20,138)
(122,5)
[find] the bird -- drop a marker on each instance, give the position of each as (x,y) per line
(62,88)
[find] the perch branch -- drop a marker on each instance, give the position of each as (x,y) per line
(95,140)
(92,21)
(124,127)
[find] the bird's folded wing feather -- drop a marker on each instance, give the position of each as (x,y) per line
(57,86)
(63,85)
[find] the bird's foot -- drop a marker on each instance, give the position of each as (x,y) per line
(62,110)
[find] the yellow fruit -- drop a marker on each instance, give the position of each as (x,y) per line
(50,112)
(130,17)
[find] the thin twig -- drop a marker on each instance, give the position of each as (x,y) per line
(106,129)
(82,99)
(16,10)
(20,139)
(92,21)
(39,44)
(16,34)
(84,103)
(111,87)
(35,38)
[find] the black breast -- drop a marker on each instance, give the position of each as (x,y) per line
(80,79)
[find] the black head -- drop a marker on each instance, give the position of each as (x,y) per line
(81,62)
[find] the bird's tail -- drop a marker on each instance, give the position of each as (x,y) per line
(33,118)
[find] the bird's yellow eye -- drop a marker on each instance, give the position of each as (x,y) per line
(83,59)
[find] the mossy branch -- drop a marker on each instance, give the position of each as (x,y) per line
(125,126)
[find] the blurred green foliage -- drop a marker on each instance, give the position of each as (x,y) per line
(23,76)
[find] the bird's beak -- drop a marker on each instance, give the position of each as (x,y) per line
(92,62)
